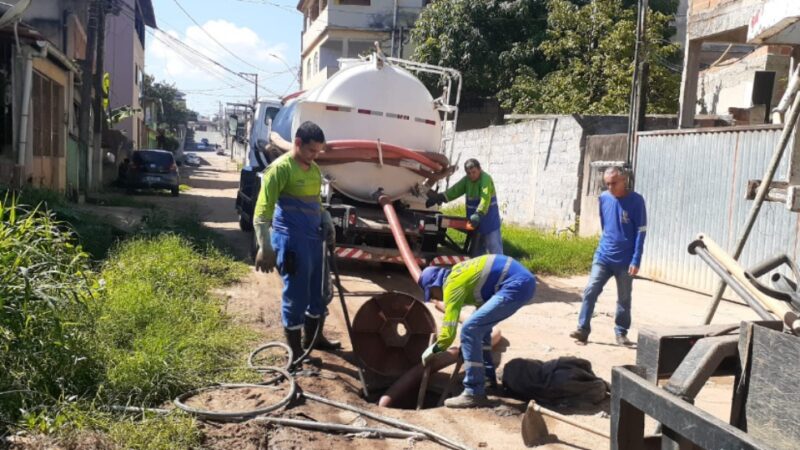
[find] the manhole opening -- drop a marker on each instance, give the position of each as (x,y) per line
(409,402)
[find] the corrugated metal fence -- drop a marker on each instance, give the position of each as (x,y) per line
(694,182)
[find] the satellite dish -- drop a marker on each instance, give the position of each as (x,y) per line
(13,14)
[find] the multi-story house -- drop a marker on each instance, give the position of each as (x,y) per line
(746,75)
(38,92)
(334,29)
(124,62)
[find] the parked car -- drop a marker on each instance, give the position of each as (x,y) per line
(191,159)
(153,169)
(204,141)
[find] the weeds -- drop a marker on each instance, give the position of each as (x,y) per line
(47,327)
(139,329)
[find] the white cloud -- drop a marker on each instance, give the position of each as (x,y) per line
(167,61)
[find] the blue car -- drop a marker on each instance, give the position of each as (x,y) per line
(153,169)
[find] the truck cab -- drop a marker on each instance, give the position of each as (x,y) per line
(258,158)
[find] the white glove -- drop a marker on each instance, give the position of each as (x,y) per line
(429,353)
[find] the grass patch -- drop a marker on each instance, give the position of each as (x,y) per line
(119,200)
(164,332)
(540,251)
(184,188)
(77,337)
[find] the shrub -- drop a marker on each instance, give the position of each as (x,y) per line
(47,296)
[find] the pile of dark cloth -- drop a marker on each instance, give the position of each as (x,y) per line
(563,381)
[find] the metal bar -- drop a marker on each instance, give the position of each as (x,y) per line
(348,323)
(728,279)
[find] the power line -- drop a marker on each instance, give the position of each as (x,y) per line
(213,38)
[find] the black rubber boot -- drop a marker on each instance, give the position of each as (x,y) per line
(322,343)
(293,340)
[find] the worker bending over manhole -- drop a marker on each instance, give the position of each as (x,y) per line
(498,286)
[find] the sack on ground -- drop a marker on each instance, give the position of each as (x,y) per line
(563,381)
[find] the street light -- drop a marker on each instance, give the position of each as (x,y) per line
(290,68)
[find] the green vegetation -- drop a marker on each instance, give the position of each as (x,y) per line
(551,56)
(184,188)
(544,253)
(77,337)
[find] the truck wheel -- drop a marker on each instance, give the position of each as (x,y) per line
(175,192)
(244,223)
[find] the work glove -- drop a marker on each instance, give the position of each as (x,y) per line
(435,198)
(429,353)
(265,258)
(328,229)
(475,220)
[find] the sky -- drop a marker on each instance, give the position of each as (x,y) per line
(252,36)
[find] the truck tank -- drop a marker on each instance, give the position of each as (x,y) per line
(382,126)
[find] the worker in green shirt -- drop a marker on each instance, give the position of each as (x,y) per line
(482,210)
(289,202)
(498,286)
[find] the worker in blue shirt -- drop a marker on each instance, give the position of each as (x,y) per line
(623,219)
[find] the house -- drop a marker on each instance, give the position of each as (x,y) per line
(725,71)
(334,29)
(38,91)
(124,62)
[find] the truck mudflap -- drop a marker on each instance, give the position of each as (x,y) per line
(382,255)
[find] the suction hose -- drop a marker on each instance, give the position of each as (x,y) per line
(400,237)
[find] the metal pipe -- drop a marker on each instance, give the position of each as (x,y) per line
(791,89)
(326,426)
(400,237)
(763,189)
(394,26)
(389,421)
(25,112)
(703,253)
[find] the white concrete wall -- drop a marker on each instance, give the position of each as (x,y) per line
(534,166)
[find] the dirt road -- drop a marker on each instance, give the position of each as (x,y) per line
(538,331)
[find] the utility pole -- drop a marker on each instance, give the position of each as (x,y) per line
(99,113)
(86,89)
(636,84)
(255,81)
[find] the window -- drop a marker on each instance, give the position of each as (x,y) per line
(48,117)
(354,2)
(270,115)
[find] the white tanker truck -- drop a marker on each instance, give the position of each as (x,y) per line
(388,138)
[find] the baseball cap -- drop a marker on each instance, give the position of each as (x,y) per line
(432,276)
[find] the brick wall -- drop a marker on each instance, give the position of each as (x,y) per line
(535,167)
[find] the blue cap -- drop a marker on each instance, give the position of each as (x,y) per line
(431,277)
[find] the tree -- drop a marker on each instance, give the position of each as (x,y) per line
(175,111)
(592,47)
(551,56)
(487,40)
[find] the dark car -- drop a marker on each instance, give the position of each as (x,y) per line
(153,169)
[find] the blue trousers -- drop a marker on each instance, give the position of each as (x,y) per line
(300,263)
(514,293)
(600,275)
(489,244)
